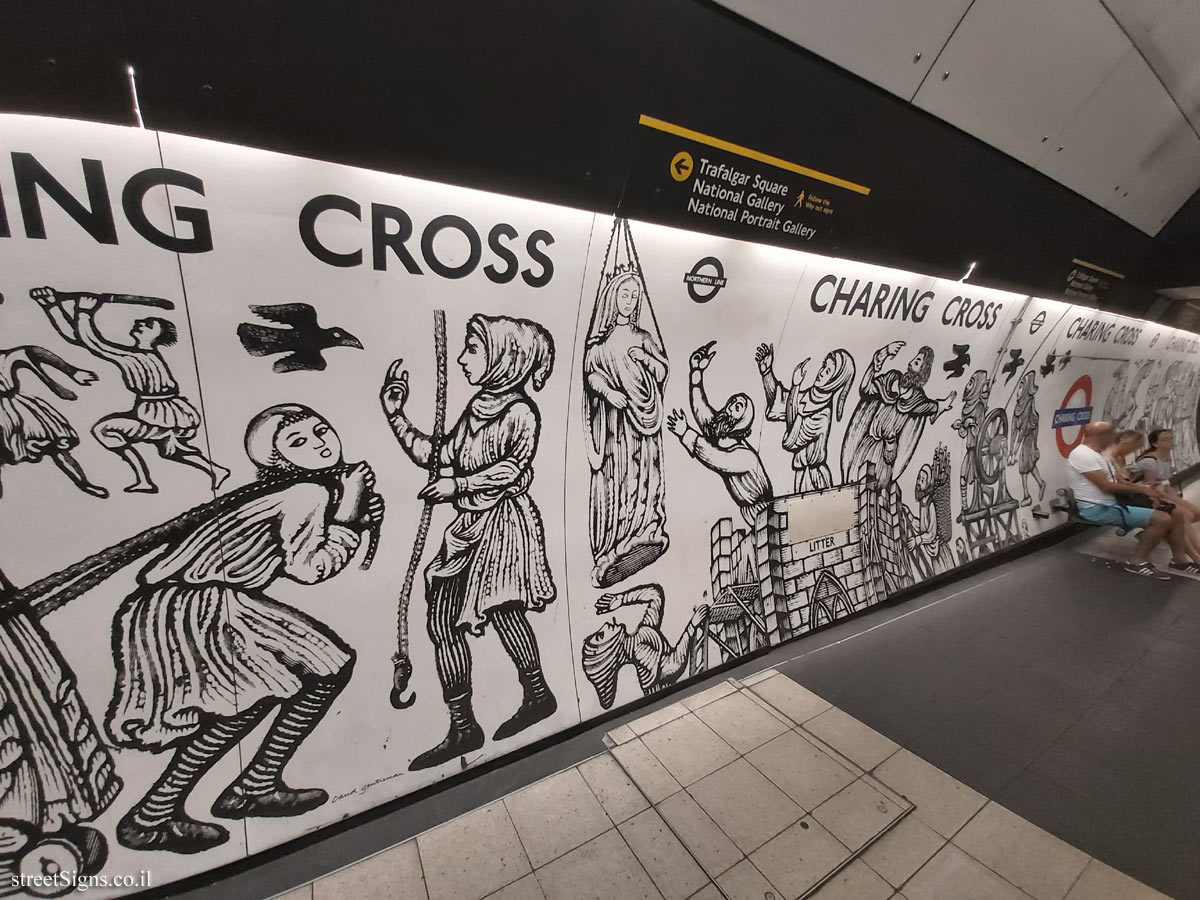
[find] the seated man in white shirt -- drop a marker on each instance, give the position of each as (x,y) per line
(1090,474)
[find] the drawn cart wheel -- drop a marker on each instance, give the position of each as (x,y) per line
(48,857)
(991,447)
(76,848)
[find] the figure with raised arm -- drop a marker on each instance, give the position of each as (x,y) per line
(160,415)
(30,428)
(657,662)
(892,412)
(719,440)
(807,413)
(492,568)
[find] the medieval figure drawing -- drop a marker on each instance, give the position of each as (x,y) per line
(891,414)
(657,662)
(1115,402)
(1160,404)
(885,428)
(1129,409)
(492,568)
(974,410)
(1024,450)
(31,429)
(624,371)
(203,654)
(988,510)
(1157,378)
(719,440)
(160,415)
(55,773)
(807,412)
(1184,412)
(932,527)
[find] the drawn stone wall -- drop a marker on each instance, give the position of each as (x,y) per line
(833,559)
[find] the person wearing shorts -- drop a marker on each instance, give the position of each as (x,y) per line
(1093,479)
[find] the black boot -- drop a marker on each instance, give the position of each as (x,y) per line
(465,736)
(538,703)
(181,834)
(236,803)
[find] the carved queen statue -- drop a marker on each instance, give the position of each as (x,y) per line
(624,370)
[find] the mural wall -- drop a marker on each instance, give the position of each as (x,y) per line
(320,485)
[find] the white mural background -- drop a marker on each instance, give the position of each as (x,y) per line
(360,753)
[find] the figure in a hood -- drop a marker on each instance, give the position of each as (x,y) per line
(492,567)
(807,413)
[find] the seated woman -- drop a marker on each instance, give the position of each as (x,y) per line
(1154,468)
(1127,442)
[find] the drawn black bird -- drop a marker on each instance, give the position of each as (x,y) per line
(1010,368)
(961,360)
(1048,368)
(1066,358)
(304,341)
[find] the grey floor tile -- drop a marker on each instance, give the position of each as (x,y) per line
(953,875)
(903,850)
(708,892)
(984,768)
(1034,860)
(800,857)
(602,869)
(745,804)
(855,882)
(703,698)
(555,815)
(1101,882)
(943,803)
(646,771)
(742,723)
(526,888)
(618,794)
(745,882)
(657,718)
(711,847)
(792,699)
(860,744)
(1092,660)
(749,694)
(758,676)
(473,855)
(1084,774)
(857,814)
(676,874)
(305,892)
(394,874)
(688,749)
(622,734)
(807,774)
(1076,676)
(1019,729)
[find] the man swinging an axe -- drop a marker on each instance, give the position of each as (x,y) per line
(160,415)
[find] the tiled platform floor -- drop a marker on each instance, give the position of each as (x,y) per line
(752,790)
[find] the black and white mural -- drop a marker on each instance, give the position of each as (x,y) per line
(302,463)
